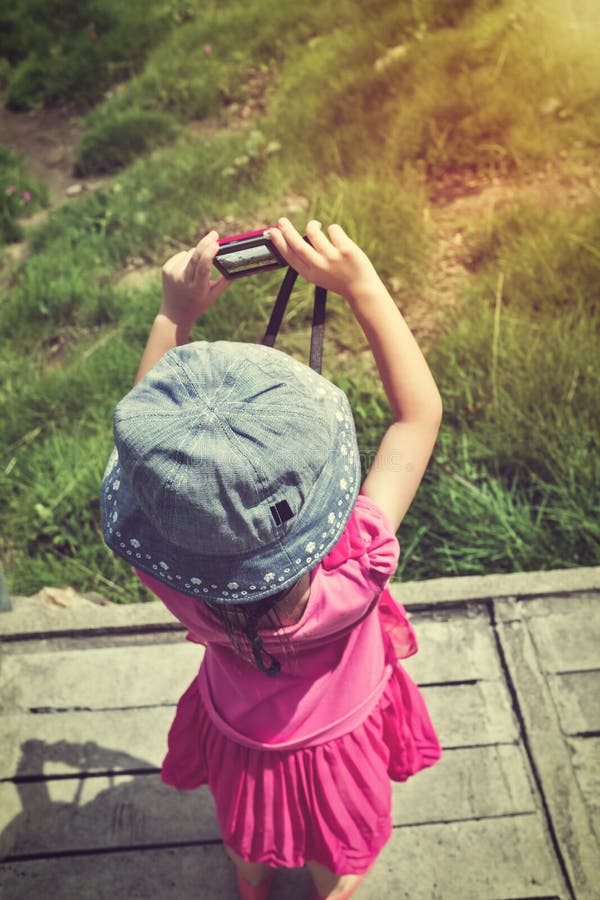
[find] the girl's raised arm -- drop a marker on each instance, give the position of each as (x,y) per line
(338,264)
(187,292)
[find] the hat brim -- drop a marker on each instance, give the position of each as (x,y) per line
(237,578)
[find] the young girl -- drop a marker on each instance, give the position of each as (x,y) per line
(234,489)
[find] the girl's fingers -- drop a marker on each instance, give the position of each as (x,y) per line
(218,286)
(296,244)
(201,257)
(339,238)
(189,271)
(317,238)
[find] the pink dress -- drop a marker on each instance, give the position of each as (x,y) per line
(300,765)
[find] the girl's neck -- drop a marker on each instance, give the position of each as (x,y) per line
(291,607)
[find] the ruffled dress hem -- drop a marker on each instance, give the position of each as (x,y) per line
(329,803)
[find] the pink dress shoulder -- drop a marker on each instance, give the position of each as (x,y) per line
(300,765)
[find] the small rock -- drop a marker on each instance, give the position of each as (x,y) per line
(17,252)
(67,598)
(549,106)
(74,190)
(390,57)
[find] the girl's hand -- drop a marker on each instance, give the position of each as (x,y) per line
(335,262)
(187,286)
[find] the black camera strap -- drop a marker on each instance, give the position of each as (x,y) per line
(318,319)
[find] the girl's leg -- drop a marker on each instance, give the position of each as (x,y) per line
(253,873)
(328,885)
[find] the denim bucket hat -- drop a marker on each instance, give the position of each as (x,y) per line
(235,471)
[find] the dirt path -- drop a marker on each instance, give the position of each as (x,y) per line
(47,140)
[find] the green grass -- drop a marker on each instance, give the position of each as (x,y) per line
(353,130)
(69,52)
(20,196)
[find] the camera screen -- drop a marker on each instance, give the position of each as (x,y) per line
(250,258)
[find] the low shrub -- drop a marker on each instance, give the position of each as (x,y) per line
(64,52)
(114,142)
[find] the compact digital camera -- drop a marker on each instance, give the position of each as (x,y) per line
(247,254)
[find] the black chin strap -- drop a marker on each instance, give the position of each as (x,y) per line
(318,320)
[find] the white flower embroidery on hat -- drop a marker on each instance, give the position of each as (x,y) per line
(233,585)
(331,518)
(196,580)
(135,543)
(310,546)
(269,577)
(164,566)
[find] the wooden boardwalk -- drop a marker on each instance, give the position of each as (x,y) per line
(509,666)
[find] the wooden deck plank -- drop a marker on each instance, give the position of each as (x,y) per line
(467,783)
(567,809)
(467,714)
(490,859)
(123,810)
(118,677)
(74,814)
(455,646)
(565,631)
(577,699)
(585,755)
(98,677)
(123,739)
(98,741)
